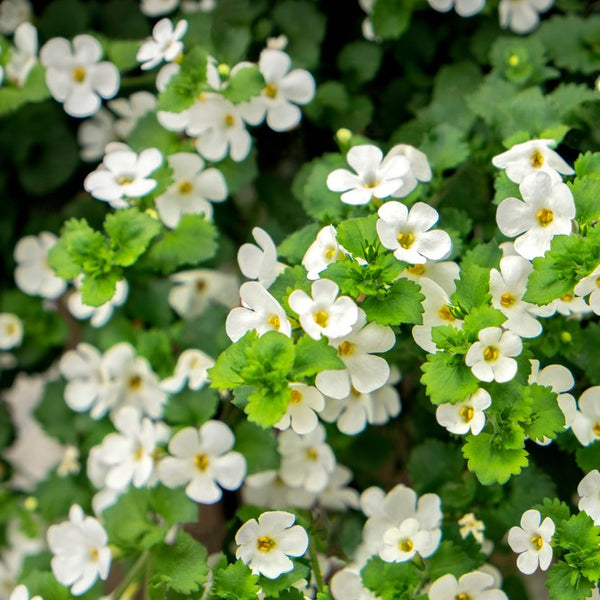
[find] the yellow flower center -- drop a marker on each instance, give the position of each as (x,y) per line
(596,428)
(466,413)
(138,454)
(125,180)
(78,74)
(406,545)
(406,240)
(321,318)
(94,554)
(201,97)
(598,282)
(462,596)
(229,120)
(312,454)
(567,298)
(10,329)
(491,353)
(544,217)
(346,348)
(295,397)
(200,285)
(417,270)
(507,300)
(185,187)
(265,543)
(274,322)
(270,90)
(537,159)
(201,462)
(537,542)
(371,184)
(329,253)
(134,383)
(445,314)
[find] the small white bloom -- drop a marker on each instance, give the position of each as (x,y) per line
(266,545)
(443,273)
(532,541)
(566,305)
(469,525)
(347,585)
(586,424)
(22,593)
(301,414)
(589,490)
(374,176)
(95,134)
(156,8)
(75,76)
(419,169)
(81,554)
(191,368)
(522,16)
(590,285)
(322,252)
(201,459)
(284,89)
(165,44)
(465,416)
(130,110)
(534,156)
(192,191)
(24,56)
(32,274)
(407,232)
(98,315)
(267,488)
(475,586)
(163,78)
(195,290)
(464,8)
(260,261)
(306,460)
(490,358)
(259,312)
(325,313)
(69,464)
(13,13)
(123,174)
(11,331)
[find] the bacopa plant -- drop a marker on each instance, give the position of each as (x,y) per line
(300,300)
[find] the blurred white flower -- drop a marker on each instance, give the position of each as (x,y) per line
(156,8)
(590,285)
(22,593)
(490,358)
(260,261)
(322,252)
(532,541)
(586,423)
(301,414)
(464,8)
(13,13)
(191,369)
(476,585)
(165,44)
(130,110)
(469,525)
(95,134)
(24,56)
(403,542)
(589,490)
(11,331)
(347,584)
(522,16)
(98,315)
(419,169)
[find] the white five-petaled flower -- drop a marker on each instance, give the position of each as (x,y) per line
(24,56)
(408,233)
(586,423)
(192,191)
(590,285)
(13,13)
(95,134)
(325,313)
(11,331)
(32,274)
(589,490)
(374,175)
(301,414)
(464,8)
(201,459)
(284,89)
(534,156)
(259,312)
(81,554)
(322,252)
(522,16)
(123,174)
(467,415)
(532,541)
(476,585)
(260,261)
(75,77)
(191,368)
(419,169)
(130,110)
(266,545)
(490,358)
(165,44)
(408,539)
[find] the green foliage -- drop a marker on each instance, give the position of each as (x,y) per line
(258,445)
(391,18)
(294,247)
(588,165)
(390,581)
(565,584)
(244,84)
(546,419)
(130,232)
(400,303)
(187,84)
(585,193)
(34,90)
(472,289)
(447,378)
(234,582)
(588,457)
(580,539)
(275,587)
(191,407)
(450,558)
(359,236)
(314,356)
(360,60)
(432,463)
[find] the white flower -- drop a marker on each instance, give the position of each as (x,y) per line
(374,176)
(32,274)
(95,134)
(507,288)
(475,586)
(586,424)
(407,232)
(165,44)
(324,313)
(194,290)
(192,6)
(266,545)
(24,56)
(534,156)
(465,8)
(590,285)
(259,312)
(156,8)
(419,169)
(403,542)
(532,541)
(306,460)
(443,273)
(131,110)
(347,585)
(283,90)
(469,525)
(69,464)
(123,174)
(490,358)
(589,490)
(192,191)
(13,13)
(11,331)
(521,16)
(127,456)
(22,593)
(301,414)
(267,488)
(465,416)
(322,252)
(191,368)
(260,262)
(81,554)
(75,77)
(201,459)
(100,315)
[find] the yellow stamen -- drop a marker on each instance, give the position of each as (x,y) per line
(544,217)
(329,253)
(371,184)
(417,270)
(274,322)
(596,428)
(78,74)
(466,413)
(507,300)
(179,58)
(201,97)
(567,298)
(462,596)
(201,462)
(185,187)
(406,240)
(124,180)
(94,554)
(312,454)
(537,542)
(537,159)
(445,314)
(491,353)
(321,318)
(295,397)
(265,543)
(598,282)
(138,454)
(406,545)
(346,349)
(134,382)
(229,120)
(200,285)
(270,90)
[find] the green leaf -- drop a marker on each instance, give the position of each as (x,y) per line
(294,247)
(555,509)
(173,505)
(123,54)
(472,289)
(433,463)
(234,582)
(490,461)
(588,457)
(585,193)
(181,566)
(191,242)
(314,356)
(588,165)
(581,539)
(481,317)
(46,586)
(565,583)
(259,447)
(505,188)
(244,84)
(275,587)
(266,406)
(187,84)
(154,345)
(149,133)
(447,378)
(130,231)
(360,60)
(34,90)
(96,290)
(390,581)
(226,372)
(449,558)
(391,18)
(546,418)
(190,407)
(445,147)
(400,303)
(358,235)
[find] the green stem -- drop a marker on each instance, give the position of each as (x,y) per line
(314,561)
(130,577)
